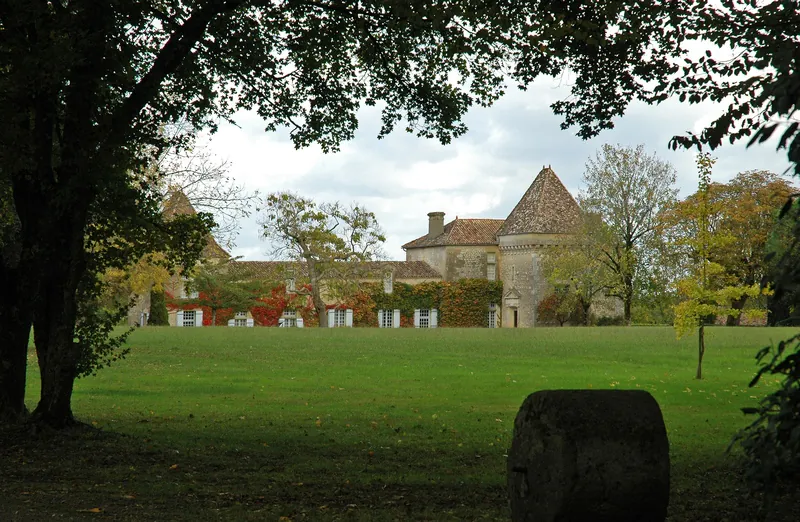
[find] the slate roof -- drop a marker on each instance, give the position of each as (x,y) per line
(277,270)
(547,207)
(462,232)
(177,204)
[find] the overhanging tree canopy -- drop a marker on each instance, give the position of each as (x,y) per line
(86,86)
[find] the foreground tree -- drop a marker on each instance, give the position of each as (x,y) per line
(334,243)
(627,189)
(784,309)
(87,86)
(706,291)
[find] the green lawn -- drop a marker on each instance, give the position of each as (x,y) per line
(364,424)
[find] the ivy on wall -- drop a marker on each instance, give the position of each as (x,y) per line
(267,312)
(461,304)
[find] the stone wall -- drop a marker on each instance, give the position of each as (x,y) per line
(465,262)
(436,257)
(521,256)
(140,305)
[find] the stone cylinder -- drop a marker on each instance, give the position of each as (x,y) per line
(589,456)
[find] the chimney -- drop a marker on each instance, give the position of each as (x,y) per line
(435,224)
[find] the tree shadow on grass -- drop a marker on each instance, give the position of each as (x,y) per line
(88,474)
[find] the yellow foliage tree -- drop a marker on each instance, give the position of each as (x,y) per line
(706,290)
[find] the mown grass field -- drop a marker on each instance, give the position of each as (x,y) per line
(365,424)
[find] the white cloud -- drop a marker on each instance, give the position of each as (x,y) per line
(482,174)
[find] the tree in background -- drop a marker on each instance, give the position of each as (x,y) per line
(559,307)
(334,243)
(751,201)
(159,316)
(742,215)
(627,188)
(187,164)
(578,269)
(706,291)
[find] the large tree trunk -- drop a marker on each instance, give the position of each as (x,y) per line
(58,354)
(628,299)
(738,305)
(15,328)
(58,357)
(56,314)
(319,306)
(18,291)
(316,294)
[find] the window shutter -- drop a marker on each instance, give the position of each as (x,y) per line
(250,323)
(416,318)
(280,322)
(179,318)
(198,318)
(380,316)
(396,319)
(231,322)
(348,318)
(331,318)
(434,318)
(299,322)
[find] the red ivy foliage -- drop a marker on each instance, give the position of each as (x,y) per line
(461,303)
(557,308)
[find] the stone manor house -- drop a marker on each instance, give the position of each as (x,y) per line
(509,250)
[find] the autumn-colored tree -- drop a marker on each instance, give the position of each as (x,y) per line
(335,243)
(558,307)
(751,201)
(706,290)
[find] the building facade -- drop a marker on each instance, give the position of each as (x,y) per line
(509,249)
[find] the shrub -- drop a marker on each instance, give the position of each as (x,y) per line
(558,307)
(771,443)
(158,309)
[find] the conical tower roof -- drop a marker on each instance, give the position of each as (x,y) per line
(547,207)
(177,204)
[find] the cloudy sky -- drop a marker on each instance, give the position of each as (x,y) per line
(482,174)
